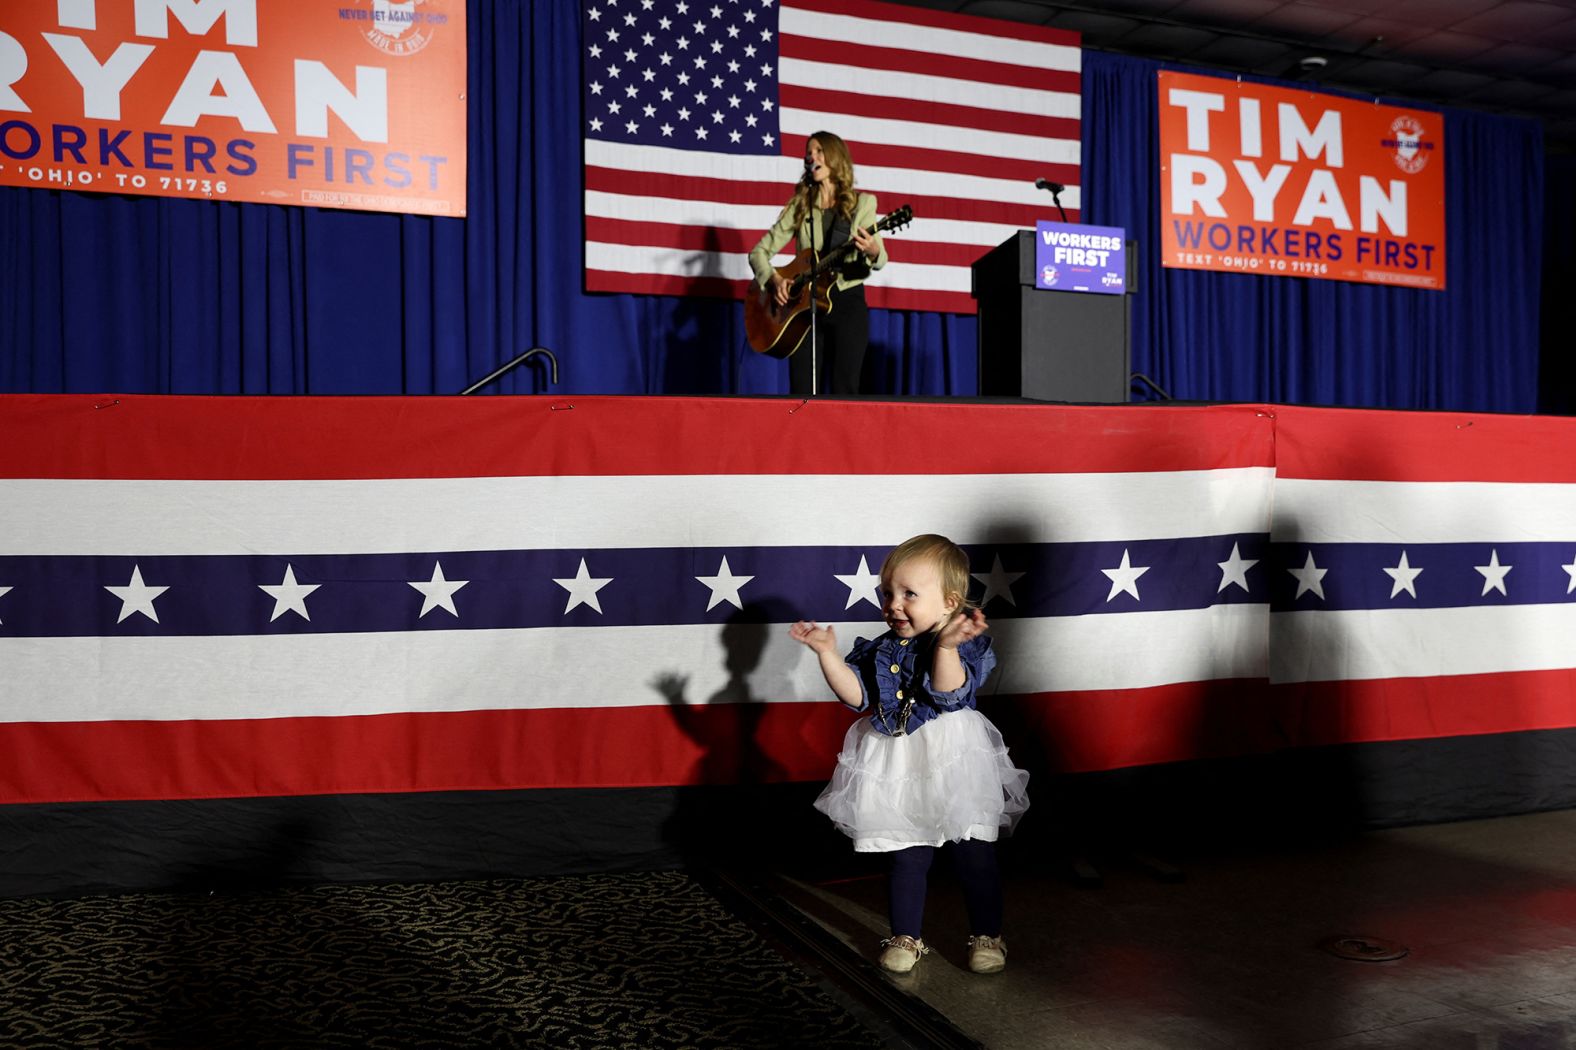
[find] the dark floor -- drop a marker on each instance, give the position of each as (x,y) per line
(1230,956)
(1221,951)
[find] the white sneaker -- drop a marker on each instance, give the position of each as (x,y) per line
(987,954)
(902,953)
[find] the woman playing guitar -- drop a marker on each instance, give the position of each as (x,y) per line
(827,215)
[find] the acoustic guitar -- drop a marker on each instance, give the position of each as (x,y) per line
(779,330)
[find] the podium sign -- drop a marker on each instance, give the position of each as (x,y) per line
(1048,343)
(1070,257)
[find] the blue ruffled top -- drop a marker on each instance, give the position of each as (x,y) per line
(896,672)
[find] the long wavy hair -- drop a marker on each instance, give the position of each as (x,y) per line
(834,153)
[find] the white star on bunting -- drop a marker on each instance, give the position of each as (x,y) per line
(997,582)
(288,595)
(861,585)
(136,597)
(1405,577)
(1494,574)
(582,588)
(438,593)
(1125,577)
(1234,570)
(3,592)
(1570,570)
(725,586)
(1309,578)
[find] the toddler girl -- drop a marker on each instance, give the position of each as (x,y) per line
(925,768)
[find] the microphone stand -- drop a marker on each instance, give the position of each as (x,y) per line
(815,360)
(1056,189)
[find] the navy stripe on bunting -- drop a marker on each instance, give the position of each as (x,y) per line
(75,596)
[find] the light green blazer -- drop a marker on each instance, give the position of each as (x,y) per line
(783,231)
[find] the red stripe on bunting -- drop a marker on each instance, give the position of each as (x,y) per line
(152,436)
(1361,445)
(736,743)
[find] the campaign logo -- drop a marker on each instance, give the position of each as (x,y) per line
(1411,152)
(401,29)
(1048,275)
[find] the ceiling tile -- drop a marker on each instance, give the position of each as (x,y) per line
(1511,93)
(1301,20)
(1449,83)
(1514,20)
(1516,60)
(1377,74)
(1098,30)
(1245,53)
(1167,40)
(1381,37)
(1224,13)
(1449,47)
(1025,11)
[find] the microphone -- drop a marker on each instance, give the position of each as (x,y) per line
(1047,184)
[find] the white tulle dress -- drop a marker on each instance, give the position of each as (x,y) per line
(924,768)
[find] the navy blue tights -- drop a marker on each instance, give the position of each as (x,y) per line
(975,863)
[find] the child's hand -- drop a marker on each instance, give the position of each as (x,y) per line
(821,639)
(971,624)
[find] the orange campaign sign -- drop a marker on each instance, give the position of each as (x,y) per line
(1267,180)
(347,104)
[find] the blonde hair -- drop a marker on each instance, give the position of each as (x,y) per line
(952,568)
(834,154)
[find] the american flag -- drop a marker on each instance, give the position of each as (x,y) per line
(252,596)
(696,114)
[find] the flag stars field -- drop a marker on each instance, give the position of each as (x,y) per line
(1046,580)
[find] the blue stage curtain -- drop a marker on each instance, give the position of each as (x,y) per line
(1238,337)
(106,293)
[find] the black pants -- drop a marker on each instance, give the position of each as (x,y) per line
(975,863)
(841,338)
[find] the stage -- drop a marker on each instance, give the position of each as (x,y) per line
(374,638)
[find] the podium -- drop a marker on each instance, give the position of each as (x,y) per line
(1049,345)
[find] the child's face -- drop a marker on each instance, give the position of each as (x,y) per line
(914,602)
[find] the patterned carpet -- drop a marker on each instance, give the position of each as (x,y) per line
(632,960)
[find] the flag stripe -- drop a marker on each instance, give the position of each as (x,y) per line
(738,242)
(981,224)
(45,517)
(864,134)
(135,437)
(934,113)
(934,33)
(664,745)
(888,76)
(220,677)
(1425,512)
